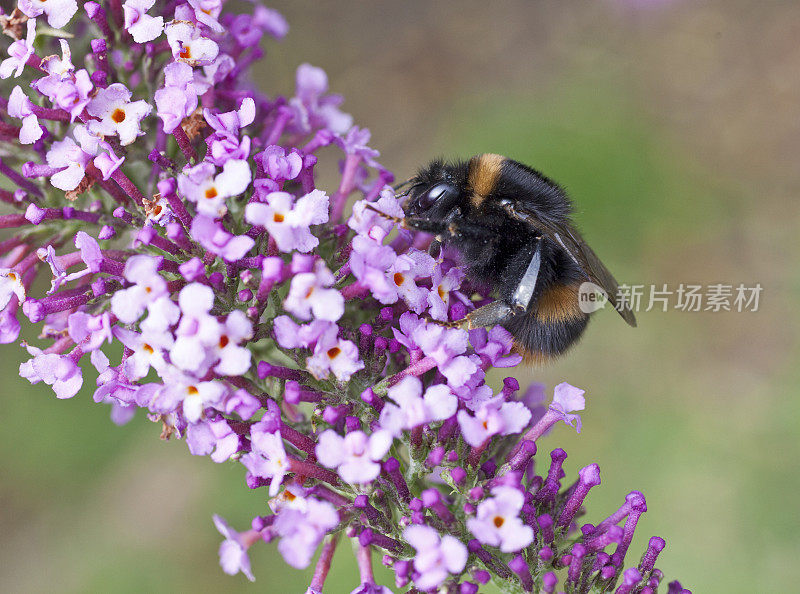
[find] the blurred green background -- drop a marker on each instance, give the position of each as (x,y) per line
(675,126)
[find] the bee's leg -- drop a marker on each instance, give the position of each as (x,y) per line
(488,315)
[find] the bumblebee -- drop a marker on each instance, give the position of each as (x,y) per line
(513,228)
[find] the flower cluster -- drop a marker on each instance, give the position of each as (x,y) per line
(175,211)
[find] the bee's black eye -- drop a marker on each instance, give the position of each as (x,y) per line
(430,197)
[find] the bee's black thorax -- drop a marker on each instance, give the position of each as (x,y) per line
(497,248)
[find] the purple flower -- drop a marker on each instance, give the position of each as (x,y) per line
(138,23)
(213,236)
(332,354)
(366,221)
(19,52)
(369,262)
(495,345)
(208,190)
(267,457)
(280,166)
(58,371)
(198,331)
(226,186)
(566,398)
(290,335)
(224,143)
(129,304)
(405,270)
(59,12)
(10,285)
(497,522)
(493,417)
(355,456)
(312,107)
(207,13)
(302,530)
(212,437)
(94,329)
(233,359)
(188,394)
(189,45)
(436,557)
(288,221)
(118,114)
(308,296)
(70,161)
(178,99)
(413,409)
(233,550)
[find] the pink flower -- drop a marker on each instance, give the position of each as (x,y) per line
(436,557)
(356,455)
(497,522)
(287,221)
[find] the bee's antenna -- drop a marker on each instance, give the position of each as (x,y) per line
(397,220)
(402,185)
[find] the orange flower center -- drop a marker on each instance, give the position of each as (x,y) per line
(118,116)
(334,352)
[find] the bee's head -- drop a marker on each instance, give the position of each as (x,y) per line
(435,191)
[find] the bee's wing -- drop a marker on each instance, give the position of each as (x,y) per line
(572,242)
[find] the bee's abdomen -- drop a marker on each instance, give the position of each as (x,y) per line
(552,324)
